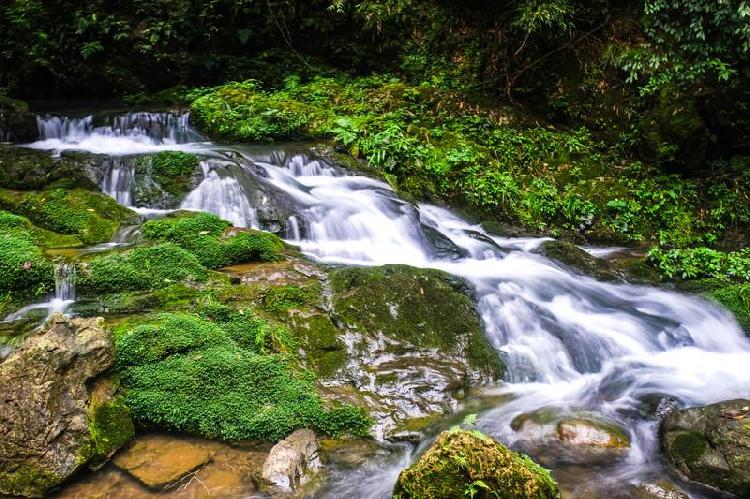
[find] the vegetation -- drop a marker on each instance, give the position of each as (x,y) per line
(205,235)
(478,466)
(149,267)
(188,374)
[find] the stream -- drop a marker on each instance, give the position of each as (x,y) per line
(571,344)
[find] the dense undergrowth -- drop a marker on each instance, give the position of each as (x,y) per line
(435,144)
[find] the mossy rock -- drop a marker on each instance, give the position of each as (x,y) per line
(17,124)
(710,445)
(320,340)
(30,169)
(162,180)
(571,255)
(90,216)
(462,463)
(426,308)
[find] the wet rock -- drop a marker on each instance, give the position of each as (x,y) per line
(444,247)
(570,438)
(659,491)
(350,453)
(51,423)
(291,462)
(573,256)
(24,169)
(158,461)
(710,445)
(413,342)
(462,459)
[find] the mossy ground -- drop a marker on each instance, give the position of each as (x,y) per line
(186,373)
(462,463)
(27,480)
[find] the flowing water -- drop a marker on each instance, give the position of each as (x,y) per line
(571,343)
(65,294)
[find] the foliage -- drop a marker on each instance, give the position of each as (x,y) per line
(150,267)
(691,42)
(187,374)
(702,262)
(203,234)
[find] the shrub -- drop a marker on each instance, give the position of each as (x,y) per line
(140,268)
(187,374)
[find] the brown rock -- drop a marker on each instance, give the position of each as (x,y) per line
(159,461)
(290,461)
(45,408)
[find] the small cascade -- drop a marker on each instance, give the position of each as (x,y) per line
(119,181)
(65,292)
(301,166)
(292,229)
(137,132)
(65,287)
(222,194)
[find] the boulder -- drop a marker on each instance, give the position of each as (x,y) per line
(158,461)
(57,413)
(413,341)
(290,462)
(710,445)
(571,255)
(462,463)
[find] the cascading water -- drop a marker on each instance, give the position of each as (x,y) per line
(571,343)
(119,180)
(130,133)
(64,294)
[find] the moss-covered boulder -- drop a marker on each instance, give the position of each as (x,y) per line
(23,268)
(162,180)
(468,463)
(90,216)
(414,342)
(710,445)
(221,378)
(214,241)
(17,124)
(30,169)
(57,413)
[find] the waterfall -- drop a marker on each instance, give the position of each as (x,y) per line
(64,294)
(119,181)
(571,343)
(130,133)
(65,288)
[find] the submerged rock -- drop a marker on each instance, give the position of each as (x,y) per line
(463,463)
(51,422)
(291,462)
(710,445)
(576,437)
(158,461)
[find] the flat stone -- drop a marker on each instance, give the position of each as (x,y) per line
(159,461)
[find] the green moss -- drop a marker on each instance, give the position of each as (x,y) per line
(90,216)
(150,267)
(203,235)
(319,339)
(111,427)
(28,480)
(171,172)
(467,462)
(688,446)
(736,298)
(23,268)
(27,169)
(279,299)
(187,374)
(427,308)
